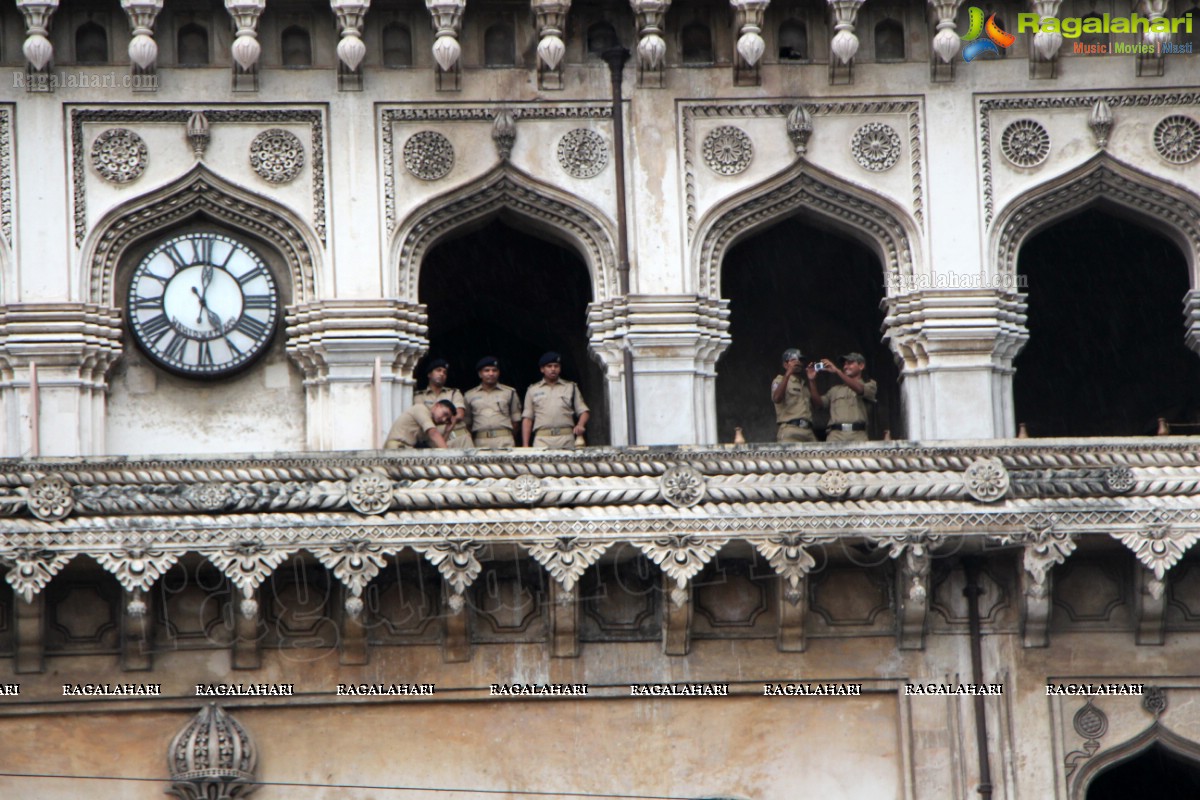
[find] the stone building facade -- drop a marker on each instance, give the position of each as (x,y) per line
(384,183)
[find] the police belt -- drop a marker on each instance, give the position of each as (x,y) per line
(494,433)
(458,428)
(847,426)
(555,431)
(799,423)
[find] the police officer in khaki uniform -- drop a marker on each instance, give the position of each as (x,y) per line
(493,409)
(437,371)
(847,402)
(420,425)
(792,399)
(554,409)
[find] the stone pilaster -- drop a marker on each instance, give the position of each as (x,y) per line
(675,341)
(956,348)
(54,362)
(336,343)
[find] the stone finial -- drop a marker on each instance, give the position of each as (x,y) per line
(946,42)
(551,21)
(504,133)
(799,128)
(143,50)
(1101,122)
(350,13)
(212,758)
(750,44)
(37,48)
(651,47)
(1047,43)
(246,48)
(197,134)
(845,43)
(447,19)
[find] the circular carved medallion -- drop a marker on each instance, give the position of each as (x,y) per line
(51,498)
(682,486)
(208,496)
(119,155)
(527,489)
(582,153)
(1090,722)
(834,483)
(1119,480)
(876,146)
(1177,139)
(1025,143)
(277,155)
(986,480)
(728,150)
(428,155)
(370,493)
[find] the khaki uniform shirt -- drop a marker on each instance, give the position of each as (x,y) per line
(409,428)
(458,434)
(553,405)
(797,400)
(847,405)
(496,409)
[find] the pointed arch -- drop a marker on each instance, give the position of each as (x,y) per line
(861,214)
(1153,202)
(508,192)
(198,193)
(1156,734)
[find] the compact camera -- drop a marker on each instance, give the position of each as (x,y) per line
(819,366)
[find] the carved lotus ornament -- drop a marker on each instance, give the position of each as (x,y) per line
(1119,480)
(527,489)
(51,498)
(370,493)
(682,486)
(986,480)
(208,496)
(834,483)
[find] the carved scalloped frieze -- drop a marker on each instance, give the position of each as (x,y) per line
(138,566)
(355,563)
(248,565)
(681,558)
(787,555)
(1159,547)
(31,569)
(566,558)
(133,117)
(457,560)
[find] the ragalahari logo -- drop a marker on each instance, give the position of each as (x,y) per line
(996,38)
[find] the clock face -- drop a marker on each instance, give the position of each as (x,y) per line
(203,304)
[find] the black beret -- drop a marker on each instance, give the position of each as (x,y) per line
(549,358)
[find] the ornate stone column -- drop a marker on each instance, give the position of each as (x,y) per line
(750,45)
(54,362)
(447,24)
(350,48)
(651,48)
(336,343)
(37,48)
(143,50)
(956,348)
(551,22)
(675,341)
(246,48)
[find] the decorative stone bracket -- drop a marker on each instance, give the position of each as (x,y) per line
(845,42)
(350,48)
(246,48)
(143,50)
(37,47)
(447,24)
(651,47)
(551,18)
(749,48)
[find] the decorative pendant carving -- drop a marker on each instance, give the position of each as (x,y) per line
(447,22)
(355,564)
(681,558)
(800,128)
(750,45)
(567,558)
(143,50)
(1158,548)
(138,566)
(786,554)
(247,565)
(246,48)
(198,134)
(651,48)
(350,48)
(457,561)
(1101,122)
(37,48)
(32,569)
(504,133)
(845,43)
(946,42)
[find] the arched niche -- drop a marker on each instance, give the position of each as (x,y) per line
(1157,735)
(553,214)
(200,193)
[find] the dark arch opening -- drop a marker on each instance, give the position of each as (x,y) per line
(793,41)
(502,292)
(1154,774)
(499,46)
(1106,353)
(296,45)
(889,41)
(601,36)
(91,44)
(192,46)
(798,284)
(696,44)
(397,45)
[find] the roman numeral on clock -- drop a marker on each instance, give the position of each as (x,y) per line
(251,327)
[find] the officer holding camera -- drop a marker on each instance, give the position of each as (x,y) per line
(793,400)
(847,402)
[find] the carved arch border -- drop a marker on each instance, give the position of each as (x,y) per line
(1157,733)
(506,189)
(862,214)
(1167,208)
(200,191)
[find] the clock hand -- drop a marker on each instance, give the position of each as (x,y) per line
(213,319)
(203,305)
